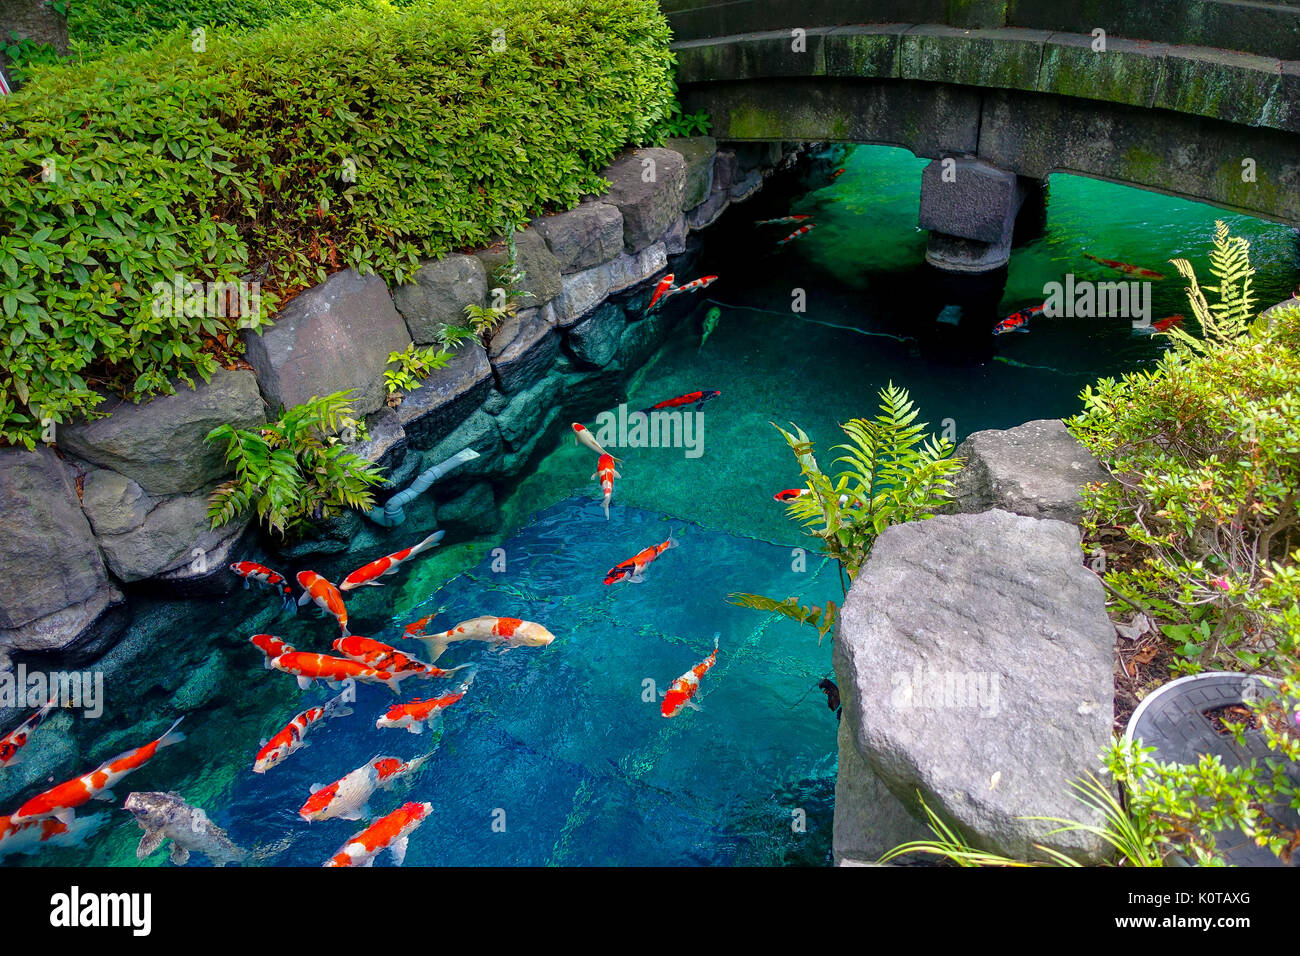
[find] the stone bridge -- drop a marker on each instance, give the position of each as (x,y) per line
(1194,98)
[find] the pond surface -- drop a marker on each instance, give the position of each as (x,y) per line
(555,756)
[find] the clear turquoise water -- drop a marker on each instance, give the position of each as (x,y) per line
(560,739)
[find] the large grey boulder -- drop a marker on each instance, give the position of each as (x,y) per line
(447,397)
(159,444)
(697,153)
(441,290)
(594,340)
(175,534)
(976,651)
(540,268)
(646,186)
(1036,469)
(583,237)
(113,503)
(48,558)
(335,336)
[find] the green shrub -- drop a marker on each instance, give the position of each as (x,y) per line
(282,155)
(295,470)
(413,364)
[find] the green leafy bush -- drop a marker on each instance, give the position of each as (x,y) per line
(1201,519)
(295,469)
(281,155)
(894,473)
(413,364)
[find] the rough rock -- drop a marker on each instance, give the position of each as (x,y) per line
(698,153)
(1036,469)
(725,170)
(96,621)
(708,212)
(444,399)
(474,512)
(748,184)
(528,356)
(113,503)
(594,340)
(439,293)
(48,558)
(203,686)
(675,237)
(206,574)
(335,336)
(977,651)
(646,186)
(518,421)
(583,237)
(159,444)
(977,201)
(174,534)
(584,291)
(479,431)
(535,259)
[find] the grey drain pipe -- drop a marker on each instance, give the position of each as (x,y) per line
(393,512)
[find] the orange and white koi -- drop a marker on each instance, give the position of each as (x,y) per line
(392,770)
(801,231)
(681,691)
(327,597)
(347,798)
(381,657)
(583,435)
(387,565)
(251,571)
(790,494)
(333,670)
(606,473)
(35,835)
(271,646)
(1127,268)
(294,735)
(391,832)
(60,802)
(633,569)
(504,632)
(693,286)
(664,285)
(414,715)
(16,739)
(780,222)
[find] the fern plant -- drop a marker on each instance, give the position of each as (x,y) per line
(295,469)
(894,472)
(1231,316)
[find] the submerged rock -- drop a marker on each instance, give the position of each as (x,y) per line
(444,399)
(1036,469)
(974,652)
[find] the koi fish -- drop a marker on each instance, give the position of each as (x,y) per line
(327,597)
(790,494)
(60,802)
(381,657)
(1018,321)
(838,173)
(271,646)
(333,670)
(801,231)
(606,473)
(391,770)
(683,689)
(633,569)
(507,632)
(35,835)
(1126,268)
(294,735)
(387,565)
(691,398)
(391,832)
(414,715)
(347,798)
(166,816)
(664,285)
(780,222)
(1164,325)
(692,286)
(583,435)
(16,739)
(263,575)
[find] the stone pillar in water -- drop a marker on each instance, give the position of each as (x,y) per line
(970,209)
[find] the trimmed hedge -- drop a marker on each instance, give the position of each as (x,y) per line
(286,154)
